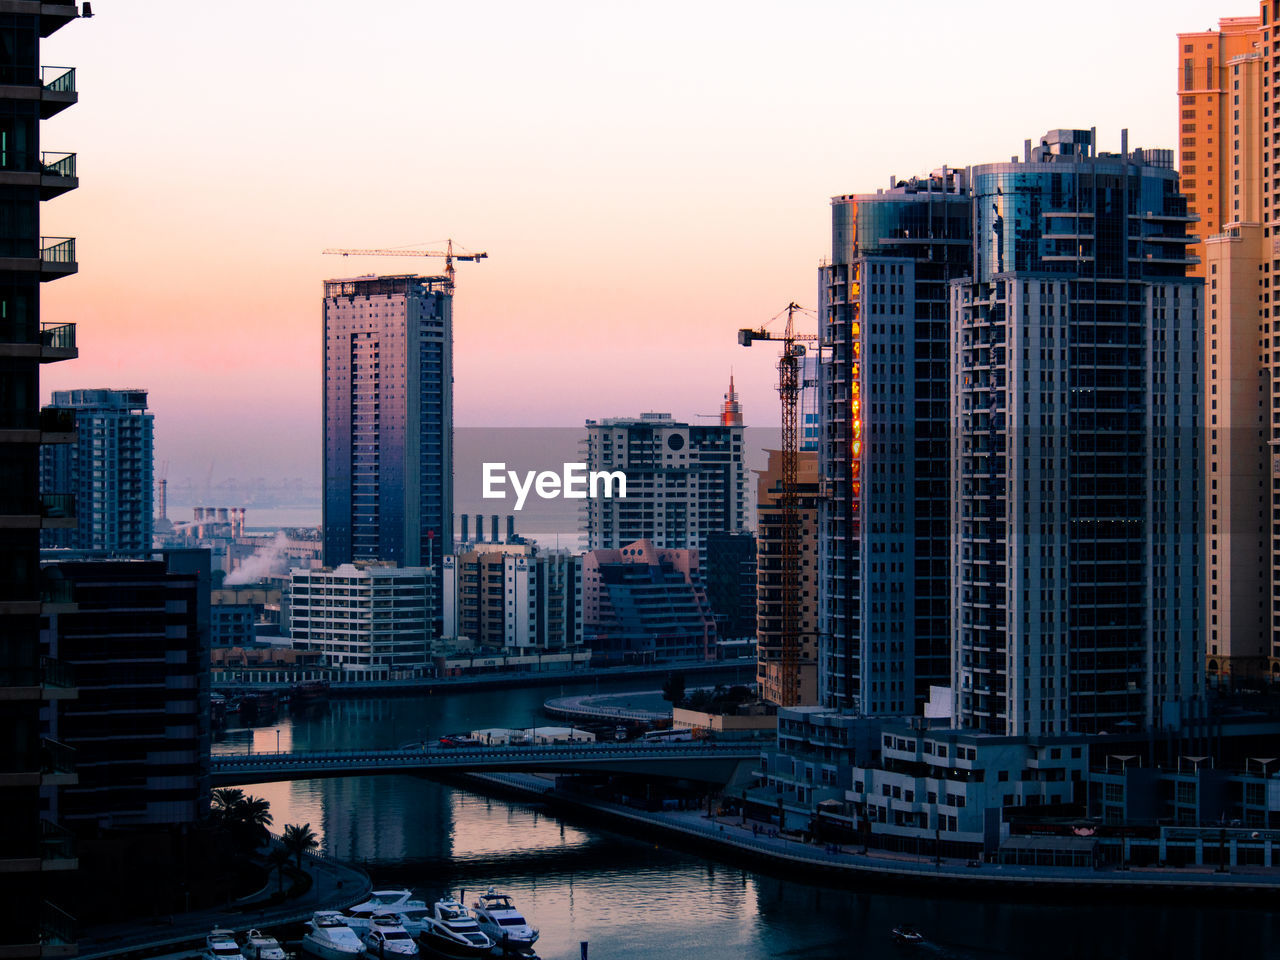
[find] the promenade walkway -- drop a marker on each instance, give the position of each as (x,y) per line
(731,832)
(334,886)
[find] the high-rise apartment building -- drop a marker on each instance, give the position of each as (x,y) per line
(108,469)
(32,852)
(1221,120)
(884,458)
(388,422)
(1077,498)
(683,482)
(770,605)
(370,620)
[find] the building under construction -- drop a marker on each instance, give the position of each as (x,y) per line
(771,602)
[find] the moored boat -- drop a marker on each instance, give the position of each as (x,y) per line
(261,946)
(329,937)
(503,923)
(221,944)
(450,930)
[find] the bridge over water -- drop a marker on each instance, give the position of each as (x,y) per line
(708,762)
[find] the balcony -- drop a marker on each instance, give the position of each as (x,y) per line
(50,680)
(52,343)
(53,173)
(57,257)
(48,511)
(53,849)
(57,90)
(55,15)
(51,763)
(50,933)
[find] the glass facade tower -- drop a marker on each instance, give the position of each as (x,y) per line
(388,423)
(884,617)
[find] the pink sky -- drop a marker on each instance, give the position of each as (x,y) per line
(646,178)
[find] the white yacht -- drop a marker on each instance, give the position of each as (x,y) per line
(387,937)
(221,945)
(503,923)
(449,929)
(329,937)
(261,946)
(399,902)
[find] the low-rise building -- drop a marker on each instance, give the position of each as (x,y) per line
(642,604)
(370,620)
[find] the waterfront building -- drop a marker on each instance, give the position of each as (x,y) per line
(370,620)
(1221,82)
(138,643)
(388,423)
(108,469)
(884,458)
(683,482)
(769,585)
(35,856)
(642,603)
(1077,498)
(513,597)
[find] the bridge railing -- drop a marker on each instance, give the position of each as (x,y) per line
(457,756)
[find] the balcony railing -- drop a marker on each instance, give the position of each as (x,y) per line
(58,164)
(58,249)
(56,756)
(56,842)
(59,419)
(58,79)
(59,336)
(57,926)
(58,506)
(50,672)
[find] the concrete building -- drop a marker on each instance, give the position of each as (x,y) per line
(388,423)
(769,586)
(33,846)
(641,604)
(513,597)
(138,642)
(1221,82)
(884,457)
(683,482)
(1077,498)
(108,468)
(369,620)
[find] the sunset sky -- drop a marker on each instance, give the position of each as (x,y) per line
(646,179)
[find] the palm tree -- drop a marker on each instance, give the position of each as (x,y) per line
(298,840)
(225,801)
(253,816)
(277,859)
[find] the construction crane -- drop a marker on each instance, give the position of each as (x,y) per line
(447,253)
(789,500)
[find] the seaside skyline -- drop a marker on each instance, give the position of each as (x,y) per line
(645,181)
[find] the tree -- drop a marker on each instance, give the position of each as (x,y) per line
(252,817)
(225,800)
(673,689)
(277,860)
(298,840)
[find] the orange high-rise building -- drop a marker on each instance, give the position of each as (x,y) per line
(1224,126)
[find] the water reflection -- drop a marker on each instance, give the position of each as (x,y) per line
(634,901)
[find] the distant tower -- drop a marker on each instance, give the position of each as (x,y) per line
(731,415)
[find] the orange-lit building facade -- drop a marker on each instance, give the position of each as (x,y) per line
(769,586)
(1223,115)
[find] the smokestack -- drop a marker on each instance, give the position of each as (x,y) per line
(222,515)
(465,518)
(479,528)
(240,522)
(511,528)
(493,526)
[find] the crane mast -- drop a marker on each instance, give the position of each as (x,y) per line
(788,500)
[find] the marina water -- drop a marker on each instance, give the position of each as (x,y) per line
(632,900)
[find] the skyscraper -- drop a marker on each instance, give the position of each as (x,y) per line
(388,422)
(884,616)
(32,848)
(1077,509)
(108,469)
(1220,83)
(683,481)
